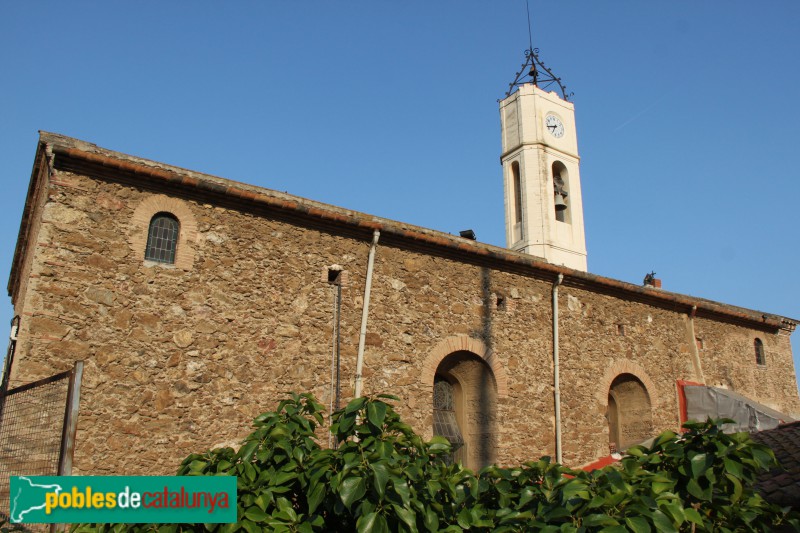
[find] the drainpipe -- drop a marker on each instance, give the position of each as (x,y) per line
(365,312)
(556,385)
(12,348)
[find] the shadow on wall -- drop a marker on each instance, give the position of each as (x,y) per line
(465,395)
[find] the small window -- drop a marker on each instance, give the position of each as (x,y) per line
(759,346)
(162,238)
(517,192)
(334,276)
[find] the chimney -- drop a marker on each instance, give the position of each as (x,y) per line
(650,280)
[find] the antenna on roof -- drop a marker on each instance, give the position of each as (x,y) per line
(530,69)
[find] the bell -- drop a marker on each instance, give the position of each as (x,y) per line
(560,203)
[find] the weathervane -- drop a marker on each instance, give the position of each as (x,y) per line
(535,71)
(544,78)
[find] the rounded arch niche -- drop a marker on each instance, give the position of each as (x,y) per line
(469,418)
(630,413)
(472,382)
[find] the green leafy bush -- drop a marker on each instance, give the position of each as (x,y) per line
(383,477)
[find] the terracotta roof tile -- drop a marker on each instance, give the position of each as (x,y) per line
(782,485)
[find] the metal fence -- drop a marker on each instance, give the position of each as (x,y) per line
(37,429)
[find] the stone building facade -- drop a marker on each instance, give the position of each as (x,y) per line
(180,357)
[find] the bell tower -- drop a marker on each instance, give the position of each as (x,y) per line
(541,168)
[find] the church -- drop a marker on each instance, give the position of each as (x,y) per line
(196,303)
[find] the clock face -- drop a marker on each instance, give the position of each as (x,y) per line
(554,126)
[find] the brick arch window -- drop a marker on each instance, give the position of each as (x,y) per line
(162,238)
(163,231)
(630,413)
(465,408)
(759,347)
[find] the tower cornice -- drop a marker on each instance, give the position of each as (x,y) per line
(536,144)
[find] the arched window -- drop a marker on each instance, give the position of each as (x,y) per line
(630,418)
(162,238)
(517,192)
(561,192)
(444,415)
(465,408)
(514,201)
(759,346)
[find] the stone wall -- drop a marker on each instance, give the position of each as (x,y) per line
(181,358)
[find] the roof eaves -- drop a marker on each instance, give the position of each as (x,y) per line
(213,186)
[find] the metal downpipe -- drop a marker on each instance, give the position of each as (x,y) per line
(556,377)
(365,313)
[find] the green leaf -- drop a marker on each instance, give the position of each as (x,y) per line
(636,451)
(381,476)
(675,510)
(197,465)
(737,488)
(401,489)
(637,524)
(693,516)
(698,465)
(526,495)
(367,522)
(464,518)
(255,514)
(663,523)
(315,497)
(659,487)
(372,523)
(439,443)
(693,487)
(376,413)
(614,529)
(389,397)
(249,526)
(355,405)
(664,438)
(246,451)
(352,489)
(597,519)
(431,519)
(574,488)
(229,528)
(407,516)
(345,424)
(763,456)
(733,467)
(282,478)
(278,433)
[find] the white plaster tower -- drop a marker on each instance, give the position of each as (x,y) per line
(541,169)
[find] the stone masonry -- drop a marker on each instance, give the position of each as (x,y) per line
(180,358)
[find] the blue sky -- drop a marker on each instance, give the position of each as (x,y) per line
(687,116)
